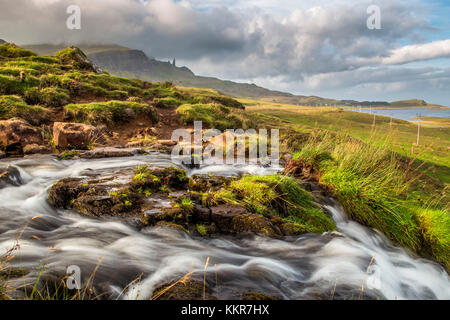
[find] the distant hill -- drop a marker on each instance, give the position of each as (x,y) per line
(409,103)
(2,41)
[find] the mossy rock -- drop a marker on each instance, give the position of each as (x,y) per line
(171,225)
(207,183)
(154,178)
(63,193)
(277,196)
(10,50)
(75,57)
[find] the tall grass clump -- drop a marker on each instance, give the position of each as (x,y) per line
(375,187)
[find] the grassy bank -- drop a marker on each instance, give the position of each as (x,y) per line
(378,173)
(378,189)
(433,149)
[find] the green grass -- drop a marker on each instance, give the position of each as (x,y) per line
(214,116)
(14,106)
(276,195)
(376,187)
(109,113)
(9,50)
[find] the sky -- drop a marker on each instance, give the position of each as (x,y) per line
(321,48)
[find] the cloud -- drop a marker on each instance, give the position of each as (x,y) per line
(295,44)
(427,51)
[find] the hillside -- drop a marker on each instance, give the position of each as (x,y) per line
(125,62)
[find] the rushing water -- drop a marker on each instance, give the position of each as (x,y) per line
(334,265)
(408,114)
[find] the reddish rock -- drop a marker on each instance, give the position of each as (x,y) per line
(16,133)
(74,135)
(35,148)
(110,152)
(167,143)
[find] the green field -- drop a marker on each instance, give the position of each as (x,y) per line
(399,135)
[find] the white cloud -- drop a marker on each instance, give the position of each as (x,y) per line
(411,53)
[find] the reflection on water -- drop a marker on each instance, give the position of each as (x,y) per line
(407,114)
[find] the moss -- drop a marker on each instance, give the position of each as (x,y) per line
(9,50)
(109,113)
(165,224)
(69,154)
(186,205)
(214,116)
(14,106)
(202,230)
(158,179)
(435,225)
(12,85)
(53,97)
(74,57)
(277,195)
(118,95)
(167,102)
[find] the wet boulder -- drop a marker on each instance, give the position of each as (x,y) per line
(65,192)
(75,135)
(223,215)
(300,169)
(254,224)
(237,220)
(36,149)
(9,176)
(16,133)
(202,214)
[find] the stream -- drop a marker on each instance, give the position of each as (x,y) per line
(354,262)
